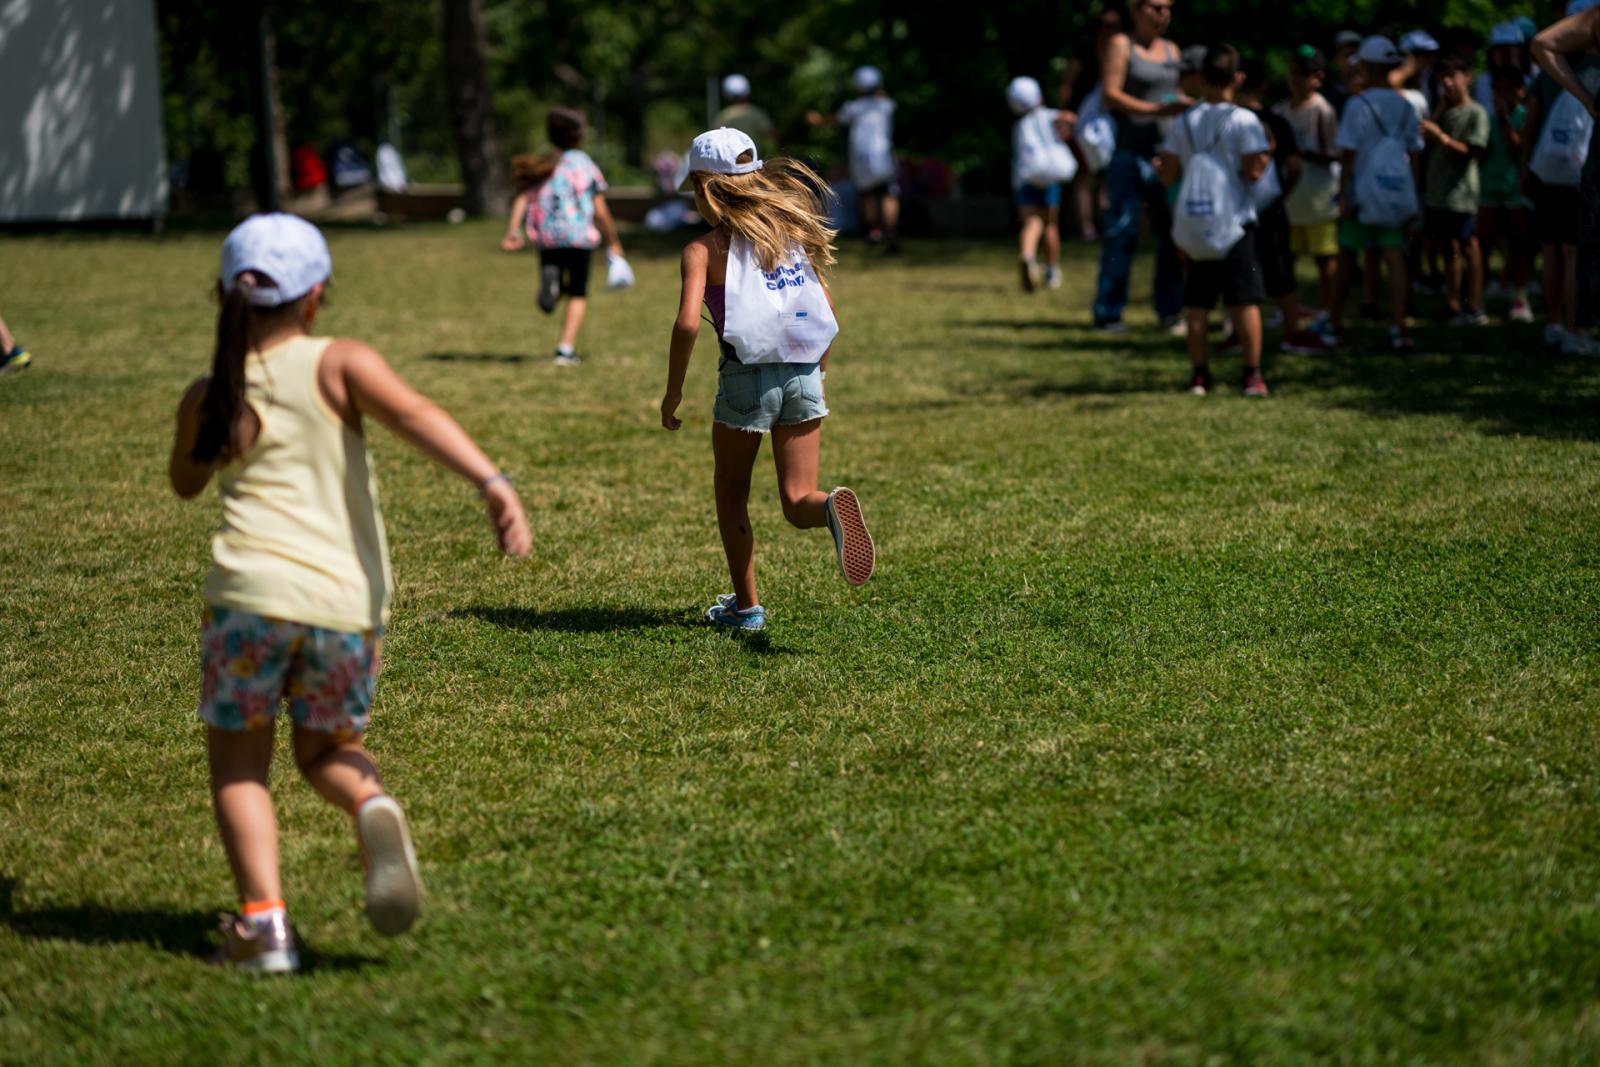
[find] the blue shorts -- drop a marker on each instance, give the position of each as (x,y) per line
(759,396)
(1034,196)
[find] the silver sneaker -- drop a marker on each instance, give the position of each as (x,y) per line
(265,949)
(394,886)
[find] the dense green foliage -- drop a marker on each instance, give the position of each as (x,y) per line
(641,66)
(1171,730)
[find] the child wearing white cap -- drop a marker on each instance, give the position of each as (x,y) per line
(298,593)
(1041,163)
(740,114)
(1379,136)
(870,117)
(757,273)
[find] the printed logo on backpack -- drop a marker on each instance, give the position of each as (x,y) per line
(780,315)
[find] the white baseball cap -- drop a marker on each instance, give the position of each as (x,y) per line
(1418,41)
(1378,49)
(866,79)
(718,151)
(1505,33)
(285,248)
(1024,94)
(736,86)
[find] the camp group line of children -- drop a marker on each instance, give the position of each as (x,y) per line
(1251,189)
(297,598)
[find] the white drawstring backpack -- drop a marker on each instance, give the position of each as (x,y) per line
(1563,144)
(776,316)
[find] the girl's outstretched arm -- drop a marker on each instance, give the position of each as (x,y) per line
(513,239)
(606,225)
(187,476)
(373,388)
(685,330)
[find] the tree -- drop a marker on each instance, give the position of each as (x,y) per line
(471,107)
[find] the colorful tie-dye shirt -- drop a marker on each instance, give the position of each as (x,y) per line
(561,213)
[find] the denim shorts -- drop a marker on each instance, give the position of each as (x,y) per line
(759,396)
(1045,197)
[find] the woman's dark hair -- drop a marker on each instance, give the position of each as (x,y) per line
(238,326)
(1220,65)
(564,126)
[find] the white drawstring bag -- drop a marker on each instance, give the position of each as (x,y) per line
(1205,218)
(1563,144)
(1043,158)
(1096,133)
(776,316)
(618,274)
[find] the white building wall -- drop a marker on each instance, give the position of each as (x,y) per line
(80,111)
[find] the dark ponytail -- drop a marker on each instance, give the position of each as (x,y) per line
(224,400)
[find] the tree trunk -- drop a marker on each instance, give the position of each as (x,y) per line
(466,71)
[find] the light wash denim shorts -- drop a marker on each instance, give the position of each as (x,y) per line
(759,396)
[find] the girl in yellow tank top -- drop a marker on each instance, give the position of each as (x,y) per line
(298,593)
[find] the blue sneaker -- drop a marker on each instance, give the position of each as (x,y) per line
(15,360)
(725,612)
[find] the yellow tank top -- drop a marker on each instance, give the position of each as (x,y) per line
(302,538)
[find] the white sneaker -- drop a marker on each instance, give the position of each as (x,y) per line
(394,887)
(1578,343)
(1052,277)
(1520,312)
(1030,275)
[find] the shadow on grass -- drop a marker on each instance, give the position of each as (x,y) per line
(598,620)
(182,933)
(478,357)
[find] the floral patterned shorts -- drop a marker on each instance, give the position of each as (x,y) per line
(249,665)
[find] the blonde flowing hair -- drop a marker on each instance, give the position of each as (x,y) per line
(774,208)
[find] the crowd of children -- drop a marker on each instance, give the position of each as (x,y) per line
(1416,161)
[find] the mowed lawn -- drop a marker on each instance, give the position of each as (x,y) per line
(1170,730)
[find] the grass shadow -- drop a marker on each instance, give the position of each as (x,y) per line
(477,357)
(188,934)
(586,620)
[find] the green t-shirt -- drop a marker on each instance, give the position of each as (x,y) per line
(753,121)
(1451,180)
(1500,172)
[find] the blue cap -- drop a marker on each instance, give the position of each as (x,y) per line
(1418,41)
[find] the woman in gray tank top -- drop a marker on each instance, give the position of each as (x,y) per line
(1569,52)
(1139,76)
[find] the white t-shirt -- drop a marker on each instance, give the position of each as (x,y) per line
(1228,131)
(1314,199)
(1033,133)
(871,122)
(1359,130)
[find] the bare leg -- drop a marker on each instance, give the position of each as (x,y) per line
(1197,336)
(1341,289)
(1247,324)
(572,320)
(1032,230)
(794,453)
(1369,277)
(1052,236)
(1454,287)
(340,770)
(1083,204)
(1473,265)
(1289,308)
(1395,260)
(735,455)
(869,215)
(1555,287)
(239,761)
(891,214)
(1327,278)
(7,342)
(1569,286)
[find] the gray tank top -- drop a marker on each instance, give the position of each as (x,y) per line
(1151,81)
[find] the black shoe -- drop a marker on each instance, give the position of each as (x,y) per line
(549,288)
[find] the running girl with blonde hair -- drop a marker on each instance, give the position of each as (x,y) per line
(298,593)
(758,275)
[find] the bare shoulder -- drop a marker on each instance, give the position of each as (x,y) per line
(698,251)
(344,352)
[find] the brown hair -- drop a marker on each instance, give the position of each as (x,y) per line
(240,325)
(530,169)
(565,127)
(774,208)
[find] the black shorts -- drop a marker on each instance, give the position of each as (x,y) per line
(574,266)
(1556,209)
(1235,277)
(1441,224)
(1272,250)
(879,191)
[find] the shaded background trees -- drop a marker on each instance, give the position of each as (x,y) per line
(374,70)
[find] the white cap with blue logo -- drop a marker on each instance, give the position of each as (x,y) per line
(286,249)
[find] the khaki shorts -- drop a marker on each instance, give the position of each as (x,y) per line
(1315,239)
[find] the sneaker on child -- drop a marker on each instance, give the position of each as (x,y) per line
(726,612)
(394,886)
(852,543)
(1200,382)
(15,360)
(264,946)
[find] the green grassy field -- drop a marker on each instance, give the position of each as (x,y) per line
(1170,731)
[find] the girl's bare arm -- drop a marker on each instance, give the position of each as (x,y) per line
(606,224)
(188,478)
(685,329)
(373,388)
(513,239)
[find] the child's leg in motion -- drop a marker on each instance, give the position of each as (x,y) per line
(794,453)
(239,761)
(1028,246)
(1247,325)
(1472,256)
(341,771)
(1052,238)
(572,322)
(735,453)
(1454,261)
